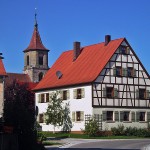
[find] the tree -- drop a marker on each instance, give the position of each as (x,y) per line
(67,123)
(54,113)
(19,112)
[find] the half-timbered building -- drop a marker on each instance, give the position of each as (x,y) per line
(105,79)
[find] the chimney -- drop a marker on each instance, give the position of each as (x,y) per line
(76,48)
(107,39)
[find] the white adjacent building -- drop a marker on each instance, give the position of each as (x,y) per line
(105,78)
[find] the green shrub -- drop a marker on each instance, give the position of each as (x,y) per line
(118,131)
(91,128)
(41,137)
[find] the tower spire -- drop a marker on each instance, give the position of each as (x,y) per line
(36,24)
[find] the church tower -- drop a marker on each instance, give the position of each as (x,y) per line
(36,57)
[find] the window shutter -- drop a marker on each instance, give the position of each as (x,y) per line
(115,93)
(148,116)
(68,94)
(133,116)
(82,93)
(147,94)
(124,72)
(61,95)
(134,72)
(137,94)
(73,116)
(114,71)
(116,116)
(75,93)
(121,116)
(127,50)
(82,115)
(39,98)
(104,116)
(104,92)
(44,118)
(137,116)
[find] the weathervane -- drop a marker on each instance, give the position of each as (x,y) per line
(36,18)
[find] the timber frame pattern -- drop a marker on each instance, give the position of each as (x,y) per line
(127,86)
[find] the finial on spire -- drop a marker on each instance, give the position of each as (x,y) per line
(36,24)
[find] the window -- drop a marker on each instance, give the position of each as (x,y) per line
(124,50)
(142,93)
(126,116)
(142,116)
(79,93)
(40,76)
(27,60)
(78,116)
(117,71)
(47,97)
(41,118)
(110,92)
(65,95)
(109,116)
(40,60)
(42,98)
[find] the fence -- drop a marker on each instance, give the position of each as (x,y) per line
(96,117)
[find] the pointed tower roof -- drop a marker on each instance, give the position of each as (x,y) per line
(36,42)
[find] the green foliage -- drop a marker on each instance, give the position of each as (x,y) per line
(54,113)
(130,131)
(91,128)
(41,137)
(67,123)
(118,131)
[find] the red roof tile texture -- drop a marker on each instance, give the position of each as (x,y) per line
(2,69)
(36,42)
(85,69)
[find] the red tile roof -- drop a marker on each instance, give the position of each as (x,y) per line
(16,76)
(85,69)
(2,69)
(36,42)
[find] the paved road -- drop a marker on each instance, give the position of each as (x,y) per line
(77,144)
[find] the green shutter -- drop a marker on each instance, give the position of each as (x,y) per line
(115,93)
(39,98)
(75,93)
(82,115)
(68,94)
(137,94)
(121,116)
(148,116)
(73,116)
(133,116)
(124,72)
(137,116)
(104,92)
(104,116)
(82,93)
(116,116)
(147,94)
(114,71)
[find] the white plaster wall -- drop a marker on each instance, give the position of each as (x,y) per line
(84,104)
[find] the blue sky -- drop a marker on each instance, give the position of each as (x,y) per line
(61,22)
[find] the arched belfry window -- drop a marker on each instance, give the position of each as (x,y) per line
(40,59)
(27,60)
(40,76)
